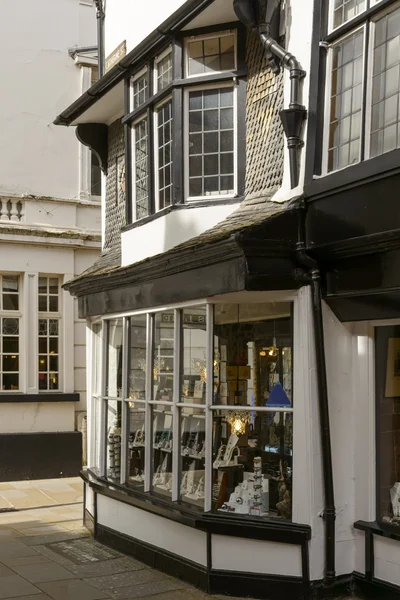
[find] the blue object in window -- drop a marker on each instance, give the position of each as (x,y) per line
(278,396)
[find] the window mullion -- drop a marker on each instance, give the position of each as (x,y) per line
(367,93)
(176,438)
(209,401)
(103,406)
(149,396)
(126,345)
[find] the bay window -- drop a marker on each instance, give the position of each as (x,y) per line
(362,98)
(182,119)
(197,406)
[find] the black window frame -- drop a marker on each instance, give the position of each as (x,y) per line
(315,178)
(176,90)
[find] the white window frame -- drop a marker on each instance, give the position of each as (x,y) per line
(209,86)
(300,387)
(370,54)
(157,60)
(155,150)
(138,75)
(56,316)
(327,107)
(207,36)
(331,28)
(143,117)
(10,314)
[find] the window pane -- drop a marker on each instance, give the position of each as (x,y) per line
(387,369)
(162,450)
(164,71)
(113,439)
(10,362)
(10,284)
(53,285)
(10,302)
(214,147)
(53,303)
(10,381)
(139,91)
(137,369)
(346,103)
(194,344)
(10,344)
(260,446)
(43,285)
(42,303)
(253,349)
(114,359)
(385,92)
(10,326)
(344,10)
(163,359)
(164,127)
(192,457)
(136,450)
(141,184)
(211,55)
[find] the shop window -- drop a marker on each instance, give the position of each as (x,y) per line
(363,84)
(195,128)
(9,332)
(387,373)
(253,425)
(48,333)
(178,382)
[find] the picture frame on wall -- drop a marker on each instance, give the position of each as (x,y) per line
(392,388)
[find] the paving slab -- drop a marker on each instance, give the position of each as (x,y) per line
(38,596)
(108,567)
(15,549)
(13,586)
(126,579)
(146,589)
(5,571)
(71,589)
(189,594)
(36,540)
(43,572)
(36,559)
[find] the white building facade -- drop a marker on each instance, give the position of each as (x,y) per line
(50,224)
(242,319)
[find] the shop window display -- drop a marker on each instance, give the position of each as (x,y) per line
(387,372)
(252,445)
(159,400)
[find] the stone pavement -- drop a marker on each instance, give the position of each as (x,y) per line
(46,492)
(46,554)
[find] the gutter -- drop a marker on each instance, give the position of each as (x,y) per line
(176,21)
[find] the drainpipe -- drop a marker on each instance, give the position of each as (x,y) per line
(313,277)
(100,16)
(292,118)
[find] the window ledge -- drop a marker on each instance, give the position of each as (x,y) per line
(353,175)
(383,529)
(245,526)
(173,207)
(14,397)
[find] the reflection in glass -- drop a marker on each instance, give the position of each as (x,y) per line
(194,342)
(114,359)
(192,457)
(113,439)
(137,369)
(211,55)
(162,450)
(136,444)
(254,347)
(163,356)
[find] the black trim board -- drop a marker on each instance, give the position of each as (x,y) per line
(156,558)
(14,397)
(375,588)
(40,455)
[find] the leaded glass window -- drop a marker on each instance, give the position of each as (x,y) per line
(164,166)
(164,71)
(141,176)
(139,90)
(211,142)
(211,54)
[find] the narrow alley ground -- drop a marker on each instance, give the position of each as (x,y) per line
(46,553)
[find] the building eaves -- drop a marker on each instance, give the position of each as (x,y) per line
(175,22)
(212,245)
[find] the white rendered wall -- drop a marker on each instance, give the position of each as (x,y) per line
(132,20)
(255,556)
(168,231)
(36,417)
(39,81)
(154,530)
(387,560)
